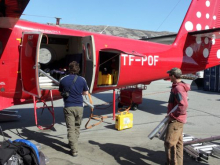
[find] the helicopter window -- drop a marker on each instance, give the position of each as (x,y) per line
(84,49)
(45,56)
(88,51)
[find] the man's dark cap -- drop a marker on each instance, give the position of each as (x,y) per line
(175,71)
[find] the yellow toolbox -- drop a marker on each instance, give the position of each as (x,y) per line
(107,79)
(124,120)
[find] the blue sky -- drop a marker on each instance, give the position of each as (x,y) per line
(154,15)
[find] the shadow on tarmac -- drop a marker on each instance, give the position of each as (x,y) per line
(126,155)
(27,118)
(45,139)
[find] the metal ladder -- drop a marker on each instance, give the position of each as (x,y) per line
(45,106)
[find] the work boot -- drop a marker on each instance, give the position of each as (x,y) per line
(74,154)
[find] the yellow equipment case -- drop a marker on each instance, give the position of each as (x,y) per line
(124,120)
(107,79)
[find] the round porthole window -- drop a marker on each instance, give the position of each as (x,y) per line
(46,55)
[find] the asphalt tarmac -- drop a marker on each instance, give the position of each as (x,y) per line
(103,144)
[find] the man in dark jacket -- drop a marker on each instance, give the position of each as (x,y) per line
(174,139)
(73,104)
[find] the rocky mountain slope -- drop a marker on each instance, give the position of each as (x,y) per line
(117,31)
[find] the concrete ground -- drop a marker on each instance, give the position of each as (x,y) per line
(104,145)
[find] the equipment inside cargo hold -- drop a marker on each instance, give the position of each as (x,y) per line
(56,52)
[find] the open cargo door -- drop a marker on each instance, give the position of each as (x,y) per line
(89,61)
(29,62)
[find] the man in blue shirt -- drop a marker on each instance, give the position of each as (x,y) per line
(73,104)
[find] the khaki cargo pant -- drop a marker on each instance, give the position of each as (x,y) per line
(73,117)
(174,143)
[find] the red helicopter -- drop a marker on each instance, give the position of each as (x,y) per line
(33,56)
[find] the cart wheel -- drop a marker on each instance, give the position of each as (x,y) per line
(120,105)
(134,106)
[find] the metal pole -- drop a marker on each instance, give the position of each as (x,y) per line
(210,146)
(202,140)
(113,104)
(45,74)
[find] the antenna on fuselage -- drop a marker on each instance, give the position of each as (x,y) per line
(57,21)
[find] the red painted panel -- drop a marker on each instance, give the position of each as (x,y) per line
(29,73)
(5,102)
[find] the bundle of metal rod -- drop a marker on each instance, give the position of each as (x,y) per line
(216,151)
(195,153)
(158,128)
(187,138)
(192,153)
(202,140)
(204,153)
(161,124)
(57,82)
(202,150)
(205,147)
(163,131)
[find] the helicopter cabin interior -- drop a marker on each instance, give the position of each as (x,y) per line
(57,51)
(108,68)
(55,54)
